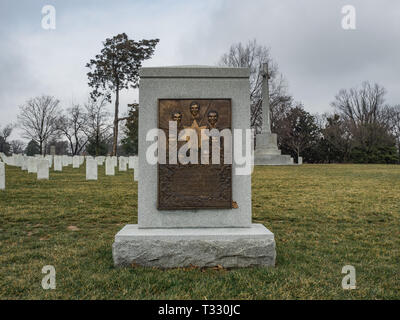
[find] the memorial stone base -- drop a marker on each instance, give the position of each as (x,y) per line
(267,152)
(200,247)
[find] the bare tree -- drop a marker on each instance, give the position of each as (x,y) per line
(38,119)
(4,135)
(361,105)
(365,114)
(72,126)
(6,131)
(17,146)
(98,124)
(393,116)
(253,55)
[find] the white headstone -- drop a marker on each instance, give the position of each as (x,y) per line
(19,160)
(300,160)
(11,160)
(100,160)
(91,169)
(115,159)
(81,160)
(43,169)
(49,158)
(65,160)
(24,163)
(110,168)
(131,162)
(122,163)
(2,176)
(75,162)
(32,165)
(58,161)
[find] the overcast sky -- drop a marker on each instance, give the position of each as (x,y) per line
(314,53)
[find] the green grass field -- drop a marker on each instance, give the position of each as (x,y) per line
(323,217)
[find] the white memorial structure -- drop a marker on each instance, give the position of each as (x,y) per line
(267,152)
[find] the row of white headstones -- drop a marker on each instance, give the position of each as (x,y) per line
(41,165)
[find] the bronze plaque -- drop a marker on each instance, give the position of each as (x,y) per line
(194,186)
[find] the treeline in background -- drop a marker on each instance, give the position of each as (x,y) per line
(361,128)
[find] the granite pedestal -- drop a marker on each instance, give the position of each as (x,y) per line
(201,247)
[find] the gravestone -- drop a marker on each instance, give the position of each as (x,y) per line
(100,160)
(49,158)
(193,214)
(32,165)
(123,164)
(110,168)
(75,162)
(19,160)
(131,164)
(65,161)
(58,163)
(91,169)
(24,166)
(115,160)
(300,160)
(42,169)
(53,150)
(2,176)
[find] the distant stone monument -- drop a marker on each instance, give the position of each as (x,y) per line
(267,152)
(193,214)
(2,176)
(91,169)
(42,169)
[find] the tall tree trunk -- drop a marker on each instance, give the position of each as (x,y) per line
(115,138)
(41,147)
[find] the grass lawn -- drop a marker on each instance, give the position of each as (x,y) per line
(323,217)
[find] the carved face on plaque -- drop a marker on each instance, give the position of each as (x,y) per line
(195,109)
(194,186)
(177,116)
(213,118)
